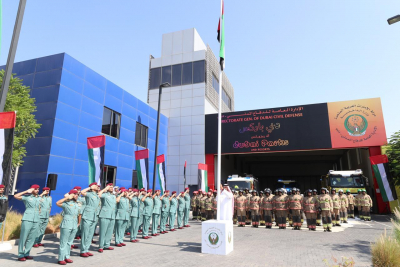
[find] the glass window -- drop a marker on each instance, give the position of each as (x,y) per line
(176,75)
(215,83)
(111,122)
(155,78)
(198,71)
(109,174)
(187,73)
(166,74)
(226,99)
(141,135)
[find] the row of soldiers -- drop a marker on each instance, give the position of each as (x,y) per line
(332,208)
(112,210)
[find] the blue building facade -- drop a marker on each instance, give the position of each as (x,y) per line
(71,99)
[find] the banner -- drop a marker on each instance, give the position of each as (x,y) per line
(96,147)
(142,167)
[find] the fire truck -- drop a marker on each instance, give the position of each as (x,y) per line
(237,182)
(345,180)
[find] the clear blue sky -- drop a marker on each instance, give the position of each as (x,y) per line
(278,53)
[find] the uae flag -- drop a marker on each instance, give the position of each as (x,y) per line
(203,181)
(161,172)
(7,125)
(184,175)
(221,37)
(380,165)
(142,167)
(96,145)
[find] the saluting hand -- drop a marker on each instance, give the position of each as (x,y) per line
(30,190)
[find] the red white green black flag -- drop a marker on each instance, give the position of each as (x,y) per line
(380,165)
(221,37)
(96,146)
(142,167)
(203,180)
(161,172)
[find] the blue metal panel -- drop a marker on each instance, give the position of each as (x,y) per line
(124,174)
(65,130)
(130,99)
(162,139)
(60,165)
(152,134)
(67,113)
(64,184)
(110,158)
(126,148)
(81,152)
(111,143)
(125,161)
(38,146)
(153,113)
(46,129)
(63,148)
(163,129)
(81,168)
(113,103)
(82,181)
(45,94)
(129,111)
(143,107)
(152,123)
(128,123)
(93,92)
(83,134)
(50,62)
(47,78)
(143,118)
(90,122)
(27,80)
(92,107)
(24,67)
(124,183)
(126,135)
(72,81)
(69,97)
(35,164)
(46,110)
(95,79)
(114,90)
(74,66)
(163,119)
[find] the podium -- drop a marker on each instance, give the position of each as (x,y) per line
(217,237)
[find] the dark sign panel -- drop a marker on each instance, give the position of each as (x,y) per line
(278,129)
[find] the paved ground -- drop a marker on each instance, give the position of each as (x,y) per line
(253,247)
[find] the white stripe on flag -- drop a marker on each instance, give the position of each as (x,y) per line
(385,182)
(203,184)
(162,177)
(2,149)
(97,163)
(144,174)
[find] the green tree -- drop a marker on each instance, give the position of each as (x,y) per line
(393,153)
(19,100)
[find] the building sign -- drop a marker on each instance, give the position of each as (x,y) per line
(317,126)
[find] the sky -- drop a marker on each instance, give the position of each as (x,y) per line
(278,53)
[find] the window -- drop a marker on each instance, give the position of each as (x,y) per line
(215,83)
(111,122)
(166,74)
(187,73)
(155,78)
(134,179)
(109,174)
(198,72)
(226,99)
(141,135)
(176,75)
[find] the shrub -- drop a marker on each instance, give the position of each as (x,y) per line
(386,252)
(13,225)
(396,224)
(55,222)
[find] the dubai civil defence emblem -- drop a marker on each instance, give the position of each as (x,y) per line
(356,125)
(213,238)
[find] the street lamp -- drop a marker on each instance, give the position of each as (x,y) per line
(393,19)
(158,126)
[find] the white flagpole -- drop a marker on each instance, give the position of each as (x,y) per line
(219,138)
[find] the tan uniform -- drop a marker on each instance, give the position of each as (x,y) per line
(295,206)
(310,205)
(254,208)
(336,209)
(248,212)
(344,204)
(357,204)
(280,208)
(318,213)
(273,212)
(234,210)
(215,206)
(198,206)
(267,205)
(208,203)
(203,208)
(325,204)
(193,206)
(366,205)
(350,209)
(241,206)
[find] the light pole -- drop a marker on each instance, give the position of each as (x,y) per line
(158,126)
(393,19)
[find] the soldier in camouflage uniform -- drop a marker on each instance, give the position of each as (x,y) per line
(193,205)
(214,207)
(208,203)
(203,206)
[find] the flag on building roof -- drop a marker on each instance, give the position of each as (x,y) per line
(142,167)
(7,125)
(161,172)
(203,181)
(380,165)
(96,147)
(221,37)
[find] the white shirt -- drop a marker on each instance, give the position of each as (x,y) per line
(226,208)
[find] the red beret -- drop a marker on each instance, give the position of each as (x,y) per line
(123,190)
(142,190)
(215,191)
(173,192)
(209,193)
(1,186)
(130,188)
(135,190)
(46,188)
(76,187)
(187,188)
(110,184)
(73,191)
(149,191)
(166,191)
(35,186)
(92,184)
(195,192)
(200,190)
(182,192)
